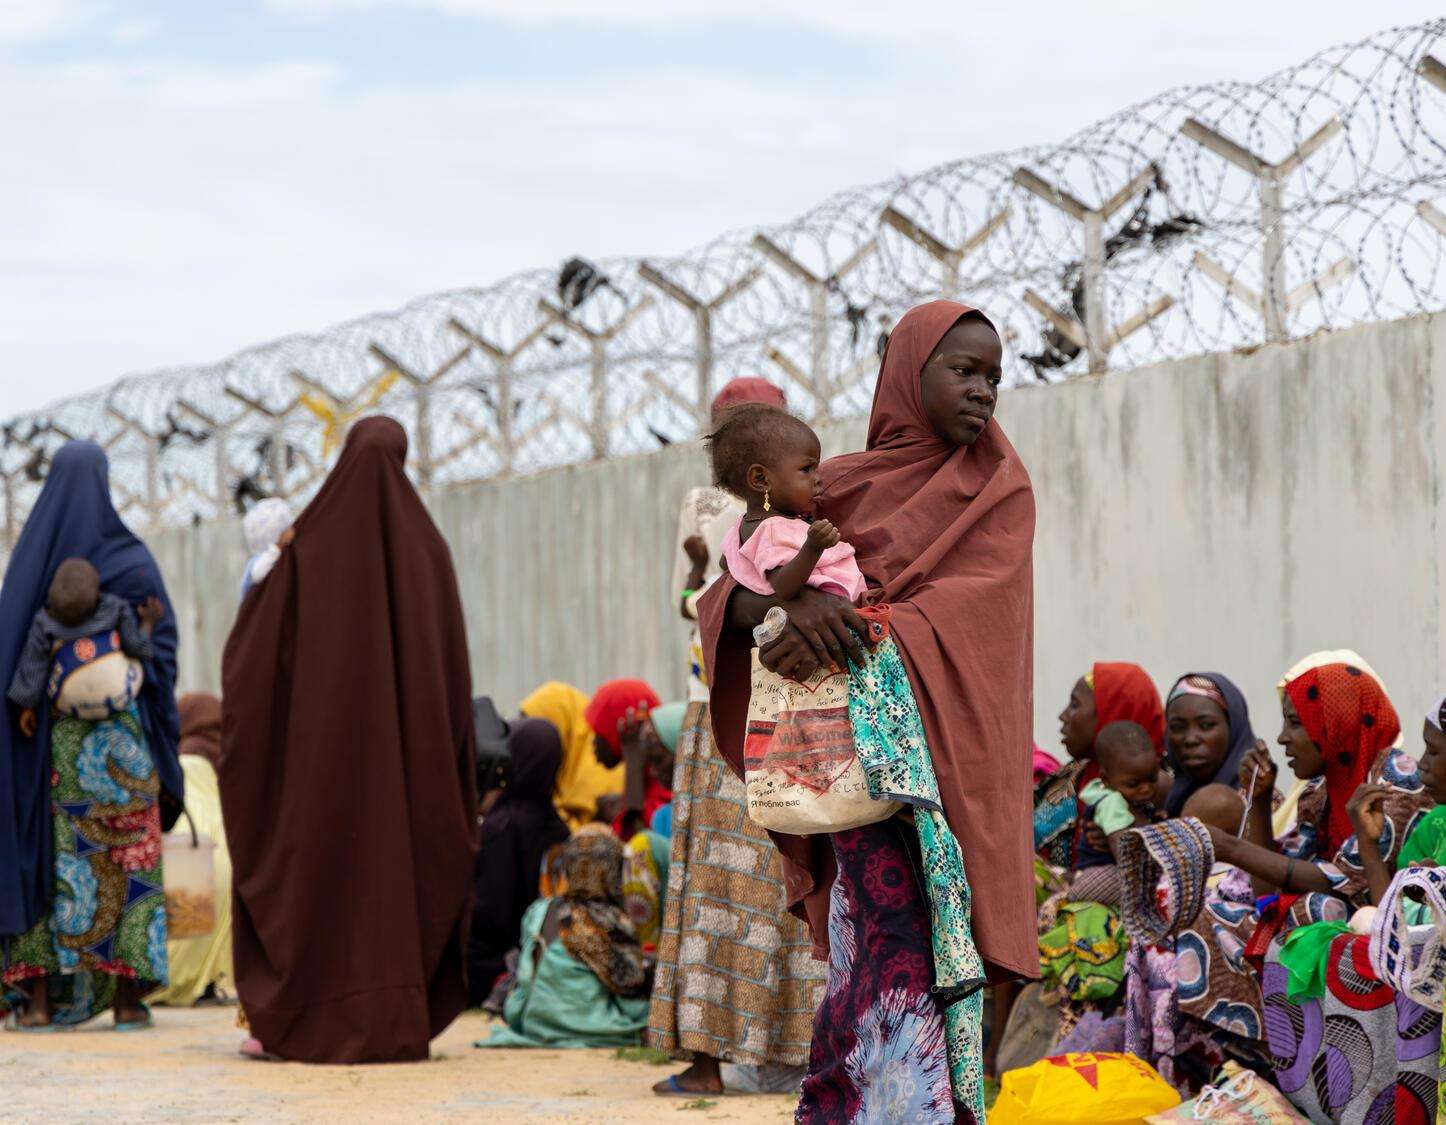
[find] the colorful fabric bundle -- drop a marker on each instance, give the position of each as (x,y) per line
(1180,853)
(1416,969)
(1304,954)
(1083,956)
(1238,1097)
(1362,1054)
(1152,1013)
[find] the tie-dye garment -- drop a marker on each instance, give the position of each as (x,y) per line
(889,739)
(879,1048)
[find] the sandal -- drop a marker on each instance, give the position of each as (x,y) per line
(672,1088)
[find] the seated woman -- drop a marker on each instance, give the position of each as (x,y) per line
(648,855)
(1107,693)
(620,718)
(519,828)
(581,978)
(1339,729)
(582,780)
(1347,1045)
(1207,735)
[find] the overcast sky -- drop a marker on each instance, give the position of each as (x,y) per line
(183,179)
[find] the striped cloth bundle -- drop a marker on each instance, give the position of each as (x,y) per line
(1163,868)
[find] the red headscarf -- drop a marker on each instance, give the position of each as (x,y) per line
(1346,713)
(944,534)
(746,389)
(1125,693)
(610,705)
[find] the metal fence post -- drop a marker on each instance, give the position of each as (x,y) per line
(1093,336)
(1273,303)
(702,333)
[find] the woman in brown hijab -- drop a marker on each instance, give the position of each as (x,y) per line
(347,773)
(940,512)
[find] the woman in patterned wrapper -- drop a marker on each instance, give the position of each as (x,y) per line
(82,910)
(725,917)
(915,918)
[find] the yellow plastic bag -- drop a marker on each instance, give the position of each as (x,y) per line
(1093,1088)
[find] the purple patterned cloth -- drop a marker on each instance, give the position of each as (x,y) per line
(879,1050)
(1360,1055)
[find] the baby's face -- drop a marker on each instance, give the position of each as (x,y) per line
(1136,781)
(794,475)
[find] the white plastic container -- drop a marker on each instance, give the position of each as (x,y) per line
(189,865)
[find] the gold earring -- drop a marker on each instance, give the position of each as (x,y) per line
(767,507)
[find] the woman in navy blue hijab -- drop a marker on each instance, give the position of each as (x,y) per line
(1207,734)
(82,804)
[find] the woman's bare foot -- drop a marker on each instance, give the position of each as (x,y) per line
(127,1006)
(37,1012)
(703,1077)
(252,1048)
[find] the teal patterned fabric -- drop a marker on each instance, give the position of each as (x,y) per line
(889,739)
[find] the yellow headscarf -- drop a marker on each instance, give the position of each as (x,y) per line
(582,779)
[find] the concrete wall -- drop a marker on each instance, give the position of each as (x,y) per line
(1225,513)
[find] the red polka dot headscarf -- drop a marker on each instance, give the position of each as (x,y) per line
(1344,709)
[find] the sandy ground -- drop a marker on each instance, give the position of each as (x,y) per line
(187,1069)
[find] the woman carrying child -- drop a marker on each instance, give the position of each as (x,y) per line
(83,801)
(939,512)
(725,907)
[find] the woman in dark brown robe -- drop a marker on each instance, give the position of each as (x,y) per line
(347,773)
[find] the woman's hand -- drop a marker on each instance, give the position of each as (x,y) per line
(1095,837)
(632,735)
(824,631)
(1367,810)
(1257,768)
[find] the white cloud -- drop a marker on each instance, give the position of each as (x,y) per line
(26,20)
(175,214)
(972,30)
(135,31)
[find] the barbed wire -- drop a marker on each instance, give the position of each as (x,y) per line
(1205,219)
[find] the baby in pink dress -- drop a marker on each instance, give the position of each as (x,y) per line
(769,459)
